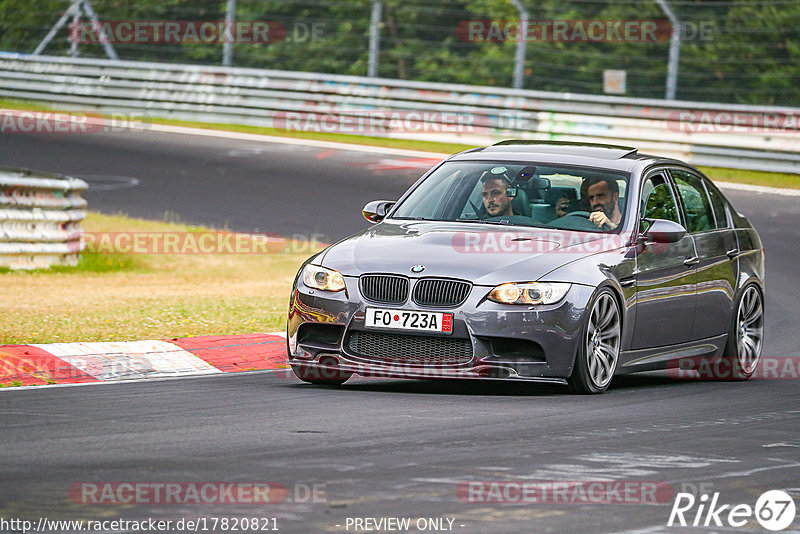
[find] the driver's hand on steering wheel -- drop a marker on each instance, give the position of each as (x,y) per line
(600,219)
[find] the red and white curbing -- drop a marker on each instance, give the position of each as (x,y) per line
(77,363)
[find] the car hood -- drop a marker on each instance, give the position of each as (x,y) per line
(482,254)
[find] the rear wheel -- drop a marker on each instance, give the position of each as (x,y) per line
(598,351)
(746,337)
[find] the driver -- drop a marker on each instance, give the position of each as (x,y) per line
(603,195)
(495,199)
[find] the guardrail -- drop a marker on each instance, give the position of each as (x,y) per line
(724,135)
(40,219)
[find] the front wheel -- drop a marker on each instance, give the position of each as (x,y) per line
(746,337)
(598,351)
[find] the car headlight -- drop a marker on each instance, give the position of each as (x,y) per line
(529,293)
(321,278)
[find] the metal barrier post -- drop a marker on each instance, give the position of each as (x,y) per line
(519,55)
(674,50)
(374,38)
(74,10)
(227,47)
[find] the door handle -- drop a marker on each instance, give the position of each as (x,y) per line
(691,262)
(732,253)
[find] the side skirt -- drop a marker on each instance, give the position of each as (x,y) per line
(661,357)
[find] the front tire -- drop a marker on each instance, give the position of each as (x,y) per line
(746,336)
(598,351)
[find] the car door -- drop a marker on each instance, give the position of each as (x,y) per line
(665,281)
(715,245)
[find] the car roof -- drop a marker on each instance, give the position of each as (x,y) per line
(614,157)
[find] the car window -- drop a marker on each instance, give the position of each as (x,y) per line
(720,215)
(542,195)
(658,201)
(696,204)
(429,205)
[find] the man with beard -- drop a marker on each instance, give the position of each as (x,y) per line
(603,195)
(495,199)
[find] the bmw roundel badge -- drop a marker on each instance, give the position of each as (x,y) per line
(417,268)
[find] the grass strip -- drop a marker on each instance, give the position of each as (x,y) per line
(123,296)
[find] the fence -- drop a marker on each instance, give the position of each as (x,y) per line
(725,51)
(40,216)
(722,135)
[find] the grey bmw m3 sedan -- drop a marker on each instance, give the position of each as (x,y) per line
(540,261)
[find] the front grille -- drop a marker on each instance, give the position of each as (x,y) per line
(386,288)
(439,292)
(410,349)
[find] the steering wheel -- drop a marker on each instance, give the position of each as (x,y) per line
(579,221)
(584,214)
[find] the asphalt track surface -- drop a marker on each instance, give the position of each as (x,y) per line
(240,185)
(382,448)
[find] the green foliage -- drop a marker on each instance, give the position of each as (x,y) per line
(749,51)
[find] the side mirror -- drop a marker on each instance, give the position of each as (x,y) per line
(376,210)
(663,231)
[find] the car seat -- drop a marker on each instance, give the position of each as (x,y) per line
(520,204)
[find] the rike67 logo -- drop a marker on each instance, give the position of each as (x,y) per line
(774,510)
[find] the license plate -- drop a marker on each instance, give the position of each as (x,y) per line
(409,320)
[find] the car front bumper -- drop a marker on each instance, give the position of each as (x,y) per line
(509,342)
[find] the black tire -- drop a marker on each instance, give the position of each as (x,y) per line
(746,334)
(598,350)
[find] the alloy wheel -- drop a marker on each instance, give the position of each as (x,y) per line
(603,340)
(749,330)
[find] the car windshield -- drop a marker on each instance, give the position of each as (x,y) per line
(520,194)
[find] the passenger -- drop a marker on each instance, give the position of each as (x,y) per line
(582,203)
(561,199)
(603,195)
(561,206)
